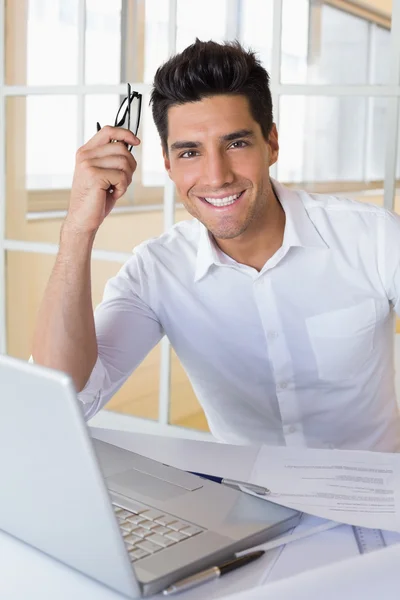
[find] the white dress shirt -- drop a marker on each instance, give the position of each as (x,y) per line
(298,354)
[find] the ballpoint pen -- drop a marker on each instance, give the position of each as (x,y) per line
(212,573)
(234,483)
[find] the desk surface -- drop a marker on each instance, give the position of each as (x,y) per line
(28,574)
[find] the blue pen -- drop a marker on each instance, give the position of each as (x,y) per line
(257,489)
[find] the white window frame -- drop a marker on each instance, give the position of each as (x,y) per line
(391,90)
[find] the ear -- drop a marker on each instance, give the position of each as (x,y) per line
(167,162)
(273,145)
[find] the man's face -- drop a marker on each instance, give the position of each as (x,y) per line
(219,162)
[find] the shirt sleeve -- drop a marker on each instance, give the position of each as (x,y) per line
(126,330)
(389,257)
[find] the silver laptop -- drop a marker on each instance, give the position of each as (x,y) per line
(129,522)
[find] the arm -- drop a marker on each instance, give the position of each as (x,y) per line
(65,336)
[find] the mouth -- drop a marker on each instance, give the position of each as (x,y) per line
(222,203)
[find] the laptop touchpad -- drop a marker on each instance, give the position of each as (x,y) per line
(132,481)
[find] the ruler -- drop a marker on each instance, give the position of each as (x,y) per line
(368,539)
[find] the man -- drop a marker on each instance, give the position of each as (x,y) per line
(278,303)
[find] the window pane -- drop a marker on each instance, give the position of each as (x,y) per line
(100,108)
(51,43)
(125,41)
(375,151)
(331,139)
(324,45)
(256,28)
(295,14)
(50,141)
(185,409)
(205,20)
(27,276)
(156,37)
(380,62)
(103,41)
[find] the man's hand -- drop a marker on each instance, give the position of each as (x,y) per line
(103,172)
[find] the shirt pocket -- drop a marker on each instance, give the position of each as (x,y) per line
(342,340)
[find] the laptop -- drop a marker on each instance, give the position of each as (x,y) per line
(129,522)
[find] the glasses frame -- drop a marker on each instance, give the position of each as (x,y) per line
(125,108)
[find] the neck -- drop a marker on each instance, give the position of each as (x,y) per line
(261,239)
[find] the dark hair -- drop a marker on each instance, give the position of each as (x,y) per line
(207,69)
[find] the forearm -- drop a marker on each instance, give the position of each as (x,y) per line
(65,336)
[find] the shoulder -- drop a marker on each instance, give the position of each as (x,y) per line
(177,246)
(180,238)
(153,261)
(347,212)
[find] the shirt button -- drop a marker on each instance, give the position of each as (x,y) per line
(283,385)
(272,335)
(289,429)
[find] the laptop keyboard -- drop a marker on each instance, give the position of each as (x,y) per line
(146,530)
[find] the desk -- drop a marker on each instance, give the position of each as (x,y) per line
(27,574)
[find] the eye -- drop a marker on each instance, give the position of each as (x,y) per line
(188,154)
(239,144)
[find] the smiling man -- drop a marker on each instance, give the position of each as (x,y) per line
(279,304)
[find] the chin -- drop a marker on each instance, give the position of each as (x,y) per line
(226,234)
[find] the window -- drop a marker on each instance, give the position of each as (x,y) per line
(322,43)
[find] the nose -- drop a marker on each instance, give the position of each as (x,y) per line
(218,170)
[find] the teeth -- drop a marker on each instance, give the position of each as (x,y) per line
(223,201)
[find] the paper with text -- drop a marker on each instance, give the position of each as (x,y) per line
(354,487)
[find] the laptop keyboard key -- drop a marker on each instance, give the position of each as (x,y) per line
(178,525)
(121,513)
(132,539)
(176,536)
(160,540)
(152,514)
(136,519)
(137,553)
(137,508)
(141,532)
(160,529)
(165,520)
(148,524)
(148,546)
(191,530)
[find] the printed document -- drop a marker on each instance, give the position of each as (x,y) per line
(349,486)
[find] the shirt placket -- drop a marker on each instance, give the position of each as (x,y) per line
(280,361)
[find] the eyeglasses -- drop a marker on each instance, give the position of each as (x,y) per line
(123,118)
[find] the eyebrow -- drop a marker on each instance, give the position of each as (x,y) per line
(229,137)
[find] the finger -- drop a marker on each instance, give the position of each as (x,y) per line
(112,178)
(117,162)
(108,134)
(117,149)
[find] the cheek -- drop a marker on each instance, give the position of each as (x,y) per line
(184,177)
(249,166)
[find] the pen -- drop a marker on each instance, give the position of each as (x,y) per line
(213,573)
(234,483)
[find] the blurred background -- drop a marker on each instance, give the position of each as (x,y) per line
(64,64)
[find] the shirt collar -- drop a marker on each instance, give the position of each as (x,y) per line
(299,230)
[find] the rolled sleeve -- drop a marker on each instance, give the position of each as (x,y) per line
(90,396)
(127,329)
(389,257)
